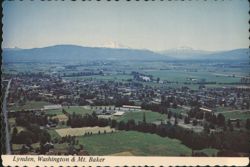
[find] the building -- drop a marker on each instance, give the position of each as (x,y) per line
(205,109)
(131,107)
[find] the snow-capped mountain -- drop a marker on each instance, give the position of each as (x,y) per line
(193,54)
(185,52)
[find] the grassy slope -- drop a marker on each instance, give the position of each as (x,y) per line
(135,142)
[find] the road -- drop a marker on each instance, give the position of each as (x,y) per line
(5,115)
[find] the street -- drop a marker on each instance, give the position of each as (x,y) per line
(5,115)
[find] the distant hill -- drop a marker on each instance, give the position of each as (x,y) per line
(191,54)
(15,48)
(237,54)
(66,53)
(74,53)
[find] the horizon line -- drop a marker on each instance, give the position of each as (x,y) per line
(89,46)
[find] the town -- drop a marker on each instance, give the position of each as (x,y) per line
(65,111)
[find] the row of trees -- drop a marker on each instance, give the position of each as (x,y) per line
(228,140)
(25,119)
(219,119)
(77,120)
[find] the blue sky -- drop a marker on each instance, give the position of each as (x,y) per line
(157,25)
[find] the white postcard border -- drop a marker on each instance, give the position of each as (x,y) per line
(32,160)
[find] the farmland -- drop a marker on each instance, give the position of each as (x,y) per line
(181,76)
(83,131)
(138,116)
(71,109)
(237,115)
(136,143)
(78,110)
(29,105)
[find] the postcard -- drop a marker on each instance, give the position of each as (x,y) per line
(125,83)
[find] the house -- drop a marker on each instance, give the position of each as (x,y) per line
(145,78)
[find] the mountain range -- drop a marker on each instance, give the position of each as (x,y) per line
(192,54)
(66,53)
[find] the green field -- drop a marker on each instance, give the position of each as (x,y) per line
(138,116)
(222,109)
(209,151)
(78,110)
(237,114)
(137,143)
(54,112)
(181,76)
(71,110)
(178,110)
(229,112)
(30,105)
(53,133)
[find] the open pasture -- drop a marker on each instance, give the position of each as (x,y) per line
(78,110)
(243,115)
(181,76)
(138,116)
(135,143)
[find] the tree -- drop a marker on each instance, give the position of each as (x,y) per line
(231,127)
(158,79)
(144,117)
(175,121)
(24,150)
(113,123)
(248,124)
(64,111)
(14,134)
(25,137)
(169,114)
(220,120)
(195,122)
(206,128)
(174,105)
(69,121)
(238,123)
(121,125)
(186,120)
(44,137)
(130,124)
